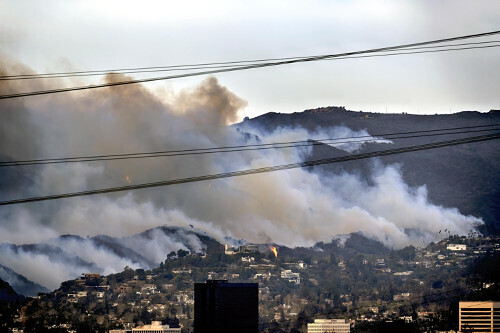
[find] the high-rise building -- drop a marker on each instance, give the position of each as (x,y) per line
(329,326)
(479,317)
(224,307)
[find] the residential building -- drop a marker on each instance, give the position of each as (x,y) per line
(230,250)
(300,264)
(479,317)
(457,247)
(249,248)
(149,288)
(401,296)
(380,263)
(329,326)
(91,275)
(123,289)
(224,307)
(287,274)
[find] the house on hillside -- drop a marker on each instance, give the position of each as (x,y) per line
(456,247)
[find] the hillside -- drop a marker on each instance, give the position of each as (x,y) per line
(7,293)
(9,303)
(67,256)
(353,277)
(19,283)
(466,176)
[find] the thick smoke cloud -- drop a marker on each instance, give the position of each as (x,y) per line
(62,258)
(295,207)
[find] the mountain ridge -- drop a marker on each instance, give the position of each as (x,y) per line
(466,177)
(19,284)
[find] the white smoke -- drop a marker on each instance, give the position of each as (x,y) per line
(341,239)
(297,207)
(63,258)
(39,267)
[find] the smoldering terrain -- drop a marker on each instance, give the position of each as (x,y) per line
(297,207)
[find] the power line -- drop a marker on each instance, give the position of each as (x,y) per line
(216,71)
(414,52)
(213,65)
(253,147)
(258,170)
(254,66)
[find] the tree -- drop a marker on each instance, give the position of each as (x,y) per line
(127,274)
(182,253)
(141,274)
(171,255)
(35,324)
(301,320)
(407,253)
(145,316)
(88,324)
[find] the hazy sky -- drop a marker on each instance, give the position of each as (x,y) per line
(53,36)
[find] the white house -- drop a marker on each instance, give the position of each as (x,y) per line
(456,247)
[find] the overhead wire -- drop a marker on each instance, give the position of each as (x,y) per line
(213,65)
(257,65)
(225,67)
(219,69)
(282,167)
(414,52)
(263,146)
(216,71)
(254,66)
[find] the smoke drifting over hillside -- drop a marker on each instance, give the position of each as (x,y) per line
(295,207)
(63,258)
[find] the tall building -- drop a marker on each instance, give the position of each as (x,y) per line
(224,307)
(329,326)
(479,317)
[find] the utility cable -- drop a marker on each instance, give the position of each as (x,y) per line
(413,52)
(259,170)
(264,146)
(216,71)
(258,65)
(197,66)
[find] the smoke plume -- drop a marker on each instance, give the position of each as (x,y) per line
(298,207)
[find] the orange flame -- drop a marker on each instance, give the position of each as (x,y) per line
(128,179)
(275,251)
